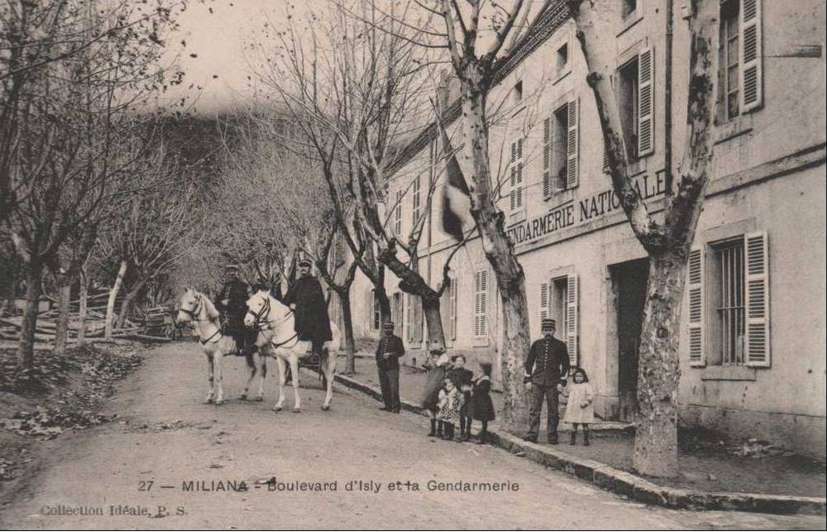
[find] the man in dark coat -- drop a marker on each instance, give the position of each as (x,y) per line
(545,369)
(388,351)
(232,302)
(306,298)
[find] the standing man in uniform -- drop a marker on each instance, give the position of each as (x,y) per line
(306,298)
(232,302)
(388,351)
(545,370)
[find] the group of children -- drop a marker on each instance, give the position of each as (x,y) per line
(455,396)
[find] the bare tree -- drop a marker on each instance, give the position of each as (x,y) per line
(65,106)
(356,93)
(668,242)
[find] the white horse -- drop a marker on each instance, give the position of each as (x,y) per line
(277,337)
(195,308)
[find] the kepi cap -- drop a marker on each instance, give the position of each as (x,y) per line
(548,323)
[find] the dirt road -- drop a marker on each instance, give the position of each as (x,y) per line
(166,437)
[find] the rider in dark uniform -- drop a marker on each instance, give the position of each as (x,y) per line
(232,303)
(306,298)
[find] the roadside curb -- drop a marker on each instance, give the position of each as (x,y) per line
(628,484)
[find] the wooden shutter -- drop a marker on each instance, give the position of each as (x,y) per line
(572,146)
(695,286)
(751,55)
(545,302)
(757,278)
(572,326)
(646,102)
(519,184)
(484,303)
(547,146)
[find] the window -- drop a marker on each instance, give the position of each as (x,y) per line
(448,307)
(560,149)
(740,58)
(516,194)
(414,321)
(375,311)
(517,93)
(416,210)
(562,59)
(481,303)
(559,301)
(728,290)
(629,7)
(397,310)
(738,324)
(397,215)
(637,104)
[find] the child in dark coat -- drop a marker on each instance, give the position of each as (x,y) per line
(482,407)
(461,378)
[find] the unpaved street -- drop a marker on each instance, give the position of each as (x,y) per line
(166,437)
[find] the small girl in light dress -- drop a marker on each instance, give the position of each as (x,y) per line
(450,403)
(580,408)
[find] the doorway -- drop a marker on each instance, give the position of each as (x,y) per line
(629,279)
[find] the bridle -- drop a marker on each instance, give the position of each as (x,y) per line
(263,323)
(194,316)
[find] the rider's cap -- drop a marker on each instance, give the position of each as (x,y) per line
(231,268)
(305,262)
(388,325)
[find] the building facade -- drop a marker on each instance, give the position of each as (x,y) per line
(753,332)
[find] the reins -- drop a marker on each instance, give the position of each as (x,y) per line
(194,316)
(263,322)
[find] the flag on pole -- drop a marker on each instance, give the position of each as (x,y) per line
(457,199)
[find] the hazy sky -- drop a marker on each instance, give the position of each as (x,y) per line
(216,31)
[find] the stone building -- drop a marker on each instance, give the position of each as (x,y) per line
(753,337)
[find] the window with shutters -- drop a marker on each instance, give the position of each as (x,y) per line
(561,149)
(516,176)
(561,62)
(740,58)
(628,8)
(559,301)
(517,93)
(738,281)
(637,104)
(481,303)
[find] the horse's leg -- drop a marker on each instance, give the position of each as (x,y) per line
(282,377)
(294,368)
(211,373)
(262,371)
(329,373)
(219,376)
(251,368)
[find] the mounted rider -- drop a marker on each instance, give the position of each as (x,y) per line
(307,300)
(232,303)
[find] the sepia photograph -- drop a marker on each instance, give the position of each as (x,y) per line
(413,265)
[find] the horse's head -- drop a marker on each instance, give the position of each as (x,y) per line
(258,309)
(189,306)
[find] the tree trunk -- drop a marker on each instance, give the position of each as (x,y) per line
(110,304)
(25,352)
(499,251)
(347,322)
(83,304)
(433,318)
(126,306)
(62,325)
(656,440)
